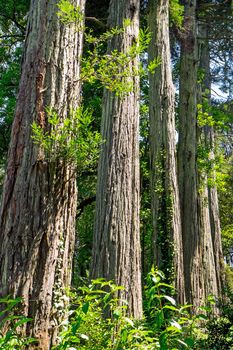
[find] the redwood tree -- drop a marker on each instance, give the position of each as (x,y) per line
(37,218)
(164,185)
(116,248)
(207,137)
(199,263)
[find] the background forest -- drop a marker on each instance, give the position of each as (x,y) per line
(116,220)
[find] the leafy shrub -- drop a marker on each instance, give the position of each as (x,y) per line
(10,321)
(220,334)
(98,321)
(229,278)
(218,330)
(89,328)
(71,140)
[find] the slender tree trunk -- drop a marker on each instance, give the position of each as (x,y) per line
(199,265)
(116,249)
(164,184)
(209,281)
(37,219)
(187,155)
(215,228)
(209,141)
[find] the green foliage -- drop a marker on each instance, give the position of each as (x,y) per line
(69,13)
(152,65)
(13,17)
(211,116)
(166,326)
(229,280)
(70,140)
(85,221)
(227,238)
(176,13)
(11,321)
(145,210)
(220,334)
(173,325)
(87,328)
(210,157)
(114,70)
(164,221)
(96,320)
(9,78)
(211,164)
(12,30)
(107,35)
(226,203)
(218,330)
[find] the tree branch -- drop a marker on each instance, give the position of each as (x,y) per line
(83,204)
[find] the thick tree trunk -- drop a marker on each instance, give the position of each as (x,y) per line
(116,249)
(37,221)
(199,265)
(164,184)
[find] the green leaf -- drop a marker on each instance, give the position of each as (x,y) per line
(175,324)
(201,317)
(129,321)
(22,321)
(116,314)
(172,300)
(156,279)
(170,307)
(190,342)
(124,335)
(166,285)
(76,325)
(173,329)
(182,342)
(84,336)
(85,307)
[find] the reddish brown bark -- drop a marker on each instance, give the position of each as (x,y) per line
(37,219)
(164,184)
(116,250)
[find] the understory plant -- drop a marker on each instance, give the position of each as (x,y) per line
(10,323)
(217,331)
(98,320)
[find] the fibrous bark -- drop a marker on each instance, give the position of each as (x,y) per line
(199,265)
(164,184)
(116,249)
(216,229)
(37,219)
(208,139)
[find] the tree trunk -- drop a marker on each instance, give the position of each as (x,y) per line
(116,249)
(209,281)
(164,184)
(209,142)
(216,229)
(38,209)
(199,265)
